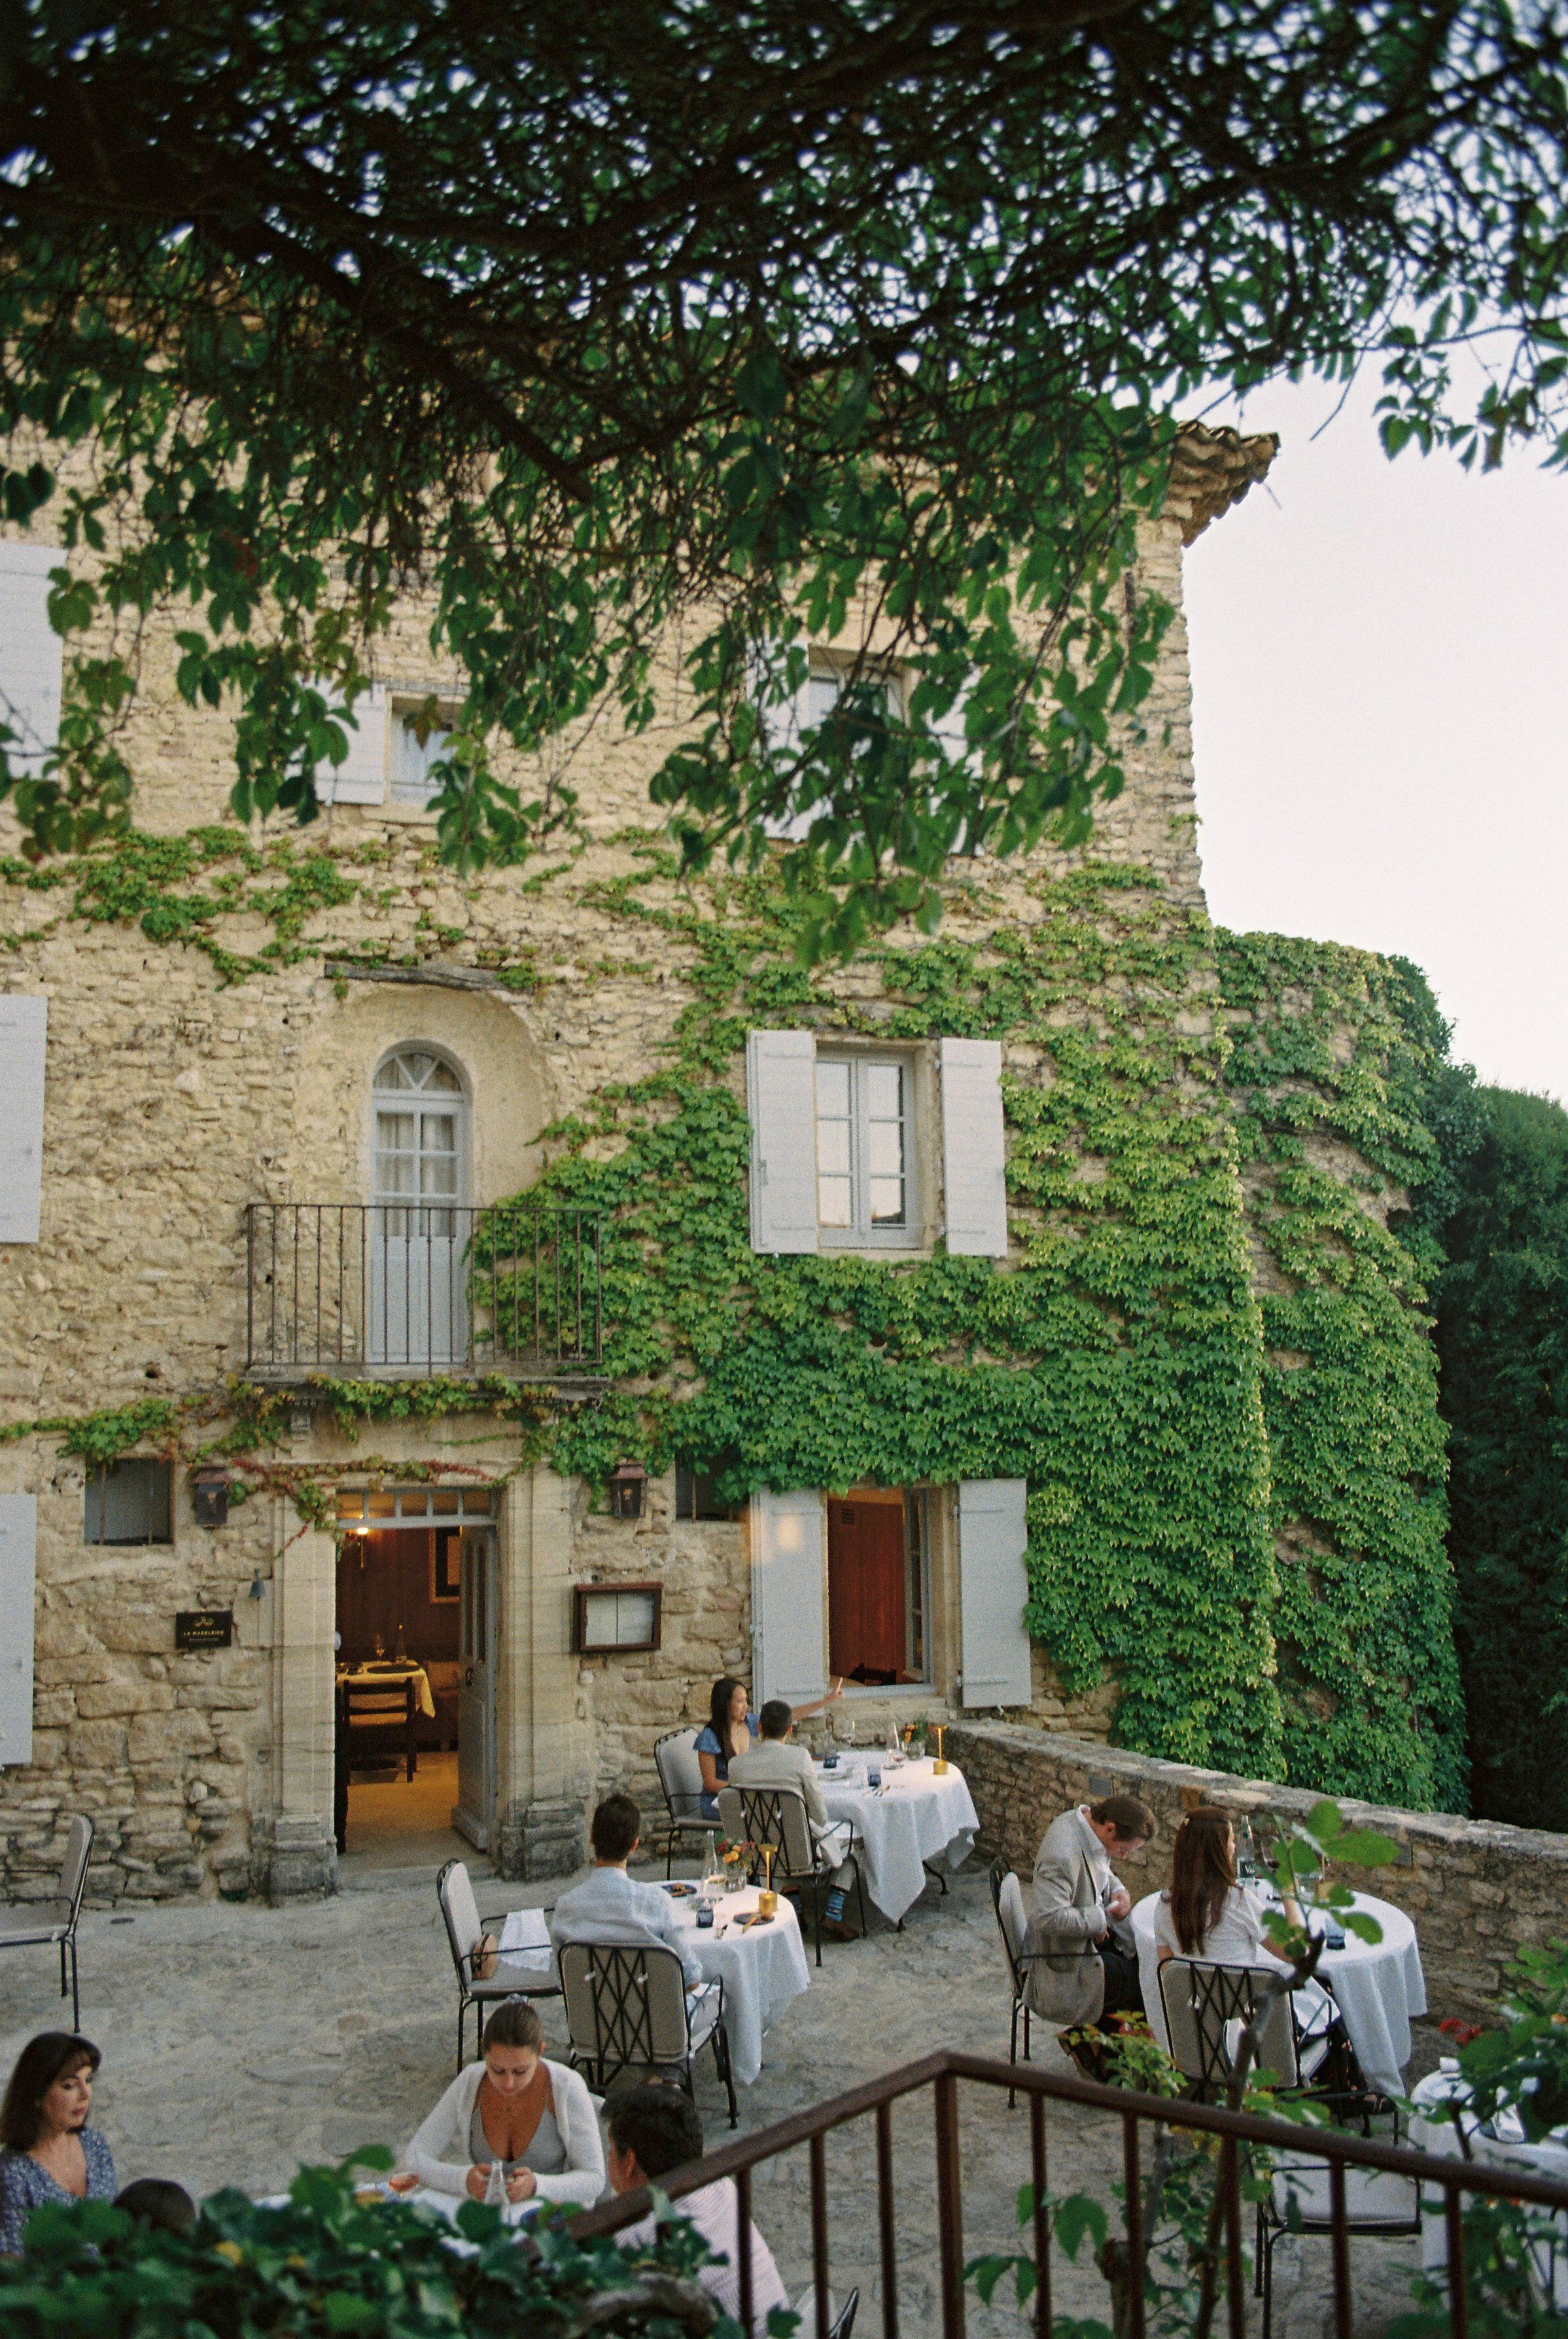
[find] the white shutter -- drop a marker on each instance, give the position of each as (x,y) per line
(781,1097)
(18,1540)
(974,1150)
(788,1625)
(782,725)
(23,1022)
(31,653)
(994,1586)
(361,776)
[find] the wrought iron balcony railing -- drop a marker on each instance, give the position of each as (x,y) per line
(420,1288)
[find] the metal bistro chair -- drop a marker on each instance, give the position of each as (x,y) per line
(1206,2008)
(777,1816)
(1300,2202)
(465,1930)
(627,2010)
(379,1719)
(681,1780)
(1007,1900)
(52,1923)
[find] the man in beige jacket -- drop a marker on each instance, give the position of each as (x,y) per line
(1078,1971)
(776,1762)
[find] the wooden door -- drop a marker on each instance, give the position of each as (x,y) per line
(867,1599)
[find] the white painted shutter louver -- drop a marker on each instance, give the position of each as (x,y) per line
(31,654)
(18,1542)
(24,1022)
(787,1618)
(781,1097)
(361,776)
(974,1149)
(993,1587)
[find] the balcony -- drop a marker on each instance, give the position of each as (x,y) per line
(409,1291)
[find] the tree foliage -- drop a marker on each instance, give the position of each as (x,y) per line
(599,329)
(1503,1341)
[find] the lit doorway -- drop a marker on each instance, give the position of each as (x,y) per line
(400,1703)
(878,1587)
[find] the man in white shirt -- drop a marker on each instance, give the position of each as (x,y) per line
(776,1762)
(1077,1972)
(655,2129)
(609,1906)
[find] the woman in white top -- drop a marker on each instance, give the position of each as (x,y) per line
(1205,1913)
(535,2117)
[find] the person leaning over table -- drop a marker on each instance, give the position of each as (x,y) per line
(655,2129)
(731,1729)
(611,1907)
(535,2116)
(1077,1971)
(773,1761)
(50,2153)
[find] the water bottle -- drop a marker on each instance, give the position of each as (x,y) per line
(894,1749)
(1245,1857)
(713,1883)
(496,2187)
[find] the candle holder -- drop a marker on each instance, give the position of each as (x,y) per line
(941,1767)
(767,1899)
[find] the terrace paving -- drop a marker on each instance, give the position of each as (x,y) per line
(237,2041)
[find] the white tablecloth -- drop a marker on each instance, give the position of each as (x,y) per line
(1432,2130)
(1377,1986)
(763,1970)
(916,1817)
(393,1677)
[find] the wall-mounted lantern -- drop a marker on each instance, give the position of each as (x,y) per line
(210,1495)
(627,1480)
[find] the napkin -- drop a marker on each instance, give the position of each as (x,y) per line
(526,1939)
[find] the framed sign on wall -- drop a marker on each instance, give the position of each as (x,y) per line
(607,1617)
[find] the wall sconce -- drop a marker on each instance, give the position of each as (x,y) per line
(209,1496)
(627,1480)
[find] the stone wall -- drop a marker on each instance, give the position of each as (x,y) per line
(1477,1891)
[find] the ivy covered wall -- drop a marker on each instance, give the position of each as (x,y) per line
(1216,1472)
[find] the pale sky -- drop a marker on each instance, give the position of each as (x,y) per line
(1380,679)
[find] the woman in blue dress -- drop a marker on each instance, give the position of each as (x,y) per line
(732,1729)
(50,2153)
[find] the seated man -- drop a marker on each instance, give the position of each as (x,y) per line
(655,2129)
(609,1906)
(774,1762)
(1078,1971)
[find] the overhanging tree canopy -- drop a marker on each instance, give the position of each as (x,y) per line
(680,320)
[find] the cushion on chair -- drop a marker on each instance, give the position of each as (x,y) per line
(1371,2197)
(508,1981)
(703,2008)
(44,1921)
(680,1773)
(460,1909)
(1009,1909)
(74,1874)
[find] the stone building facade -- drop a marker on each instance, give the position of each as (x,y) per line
(222,1024)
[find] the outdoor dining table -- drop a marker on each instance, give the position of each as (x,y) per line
(1377,1986)
(1501,2140)
(390,1676)
(914,1816)
(763,1970)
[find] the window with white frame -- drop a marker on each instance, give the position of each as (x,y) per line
(411,758)
(864,1152)
(420,1147)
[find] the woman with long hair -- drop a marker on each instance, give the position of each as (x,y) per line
(534,2118)
(1205,1913)
(732,1729)
(49,2152)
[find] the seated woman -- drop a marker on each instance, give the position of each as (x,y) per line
(1206,1914)
(535,2118)
(732,1729)
(50,2153)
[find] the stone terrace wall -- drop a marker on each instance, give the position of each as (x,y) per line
(1476,1890)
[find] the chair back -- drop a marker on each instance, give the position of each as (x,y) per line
(775,1816)
(74,1873)
(460,1913)
(1207,2007)
(390,1704)
(680,1774)
(1007,1900)
(625,2006)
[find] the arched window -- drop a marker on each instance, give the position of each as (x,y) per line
(421,1138)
